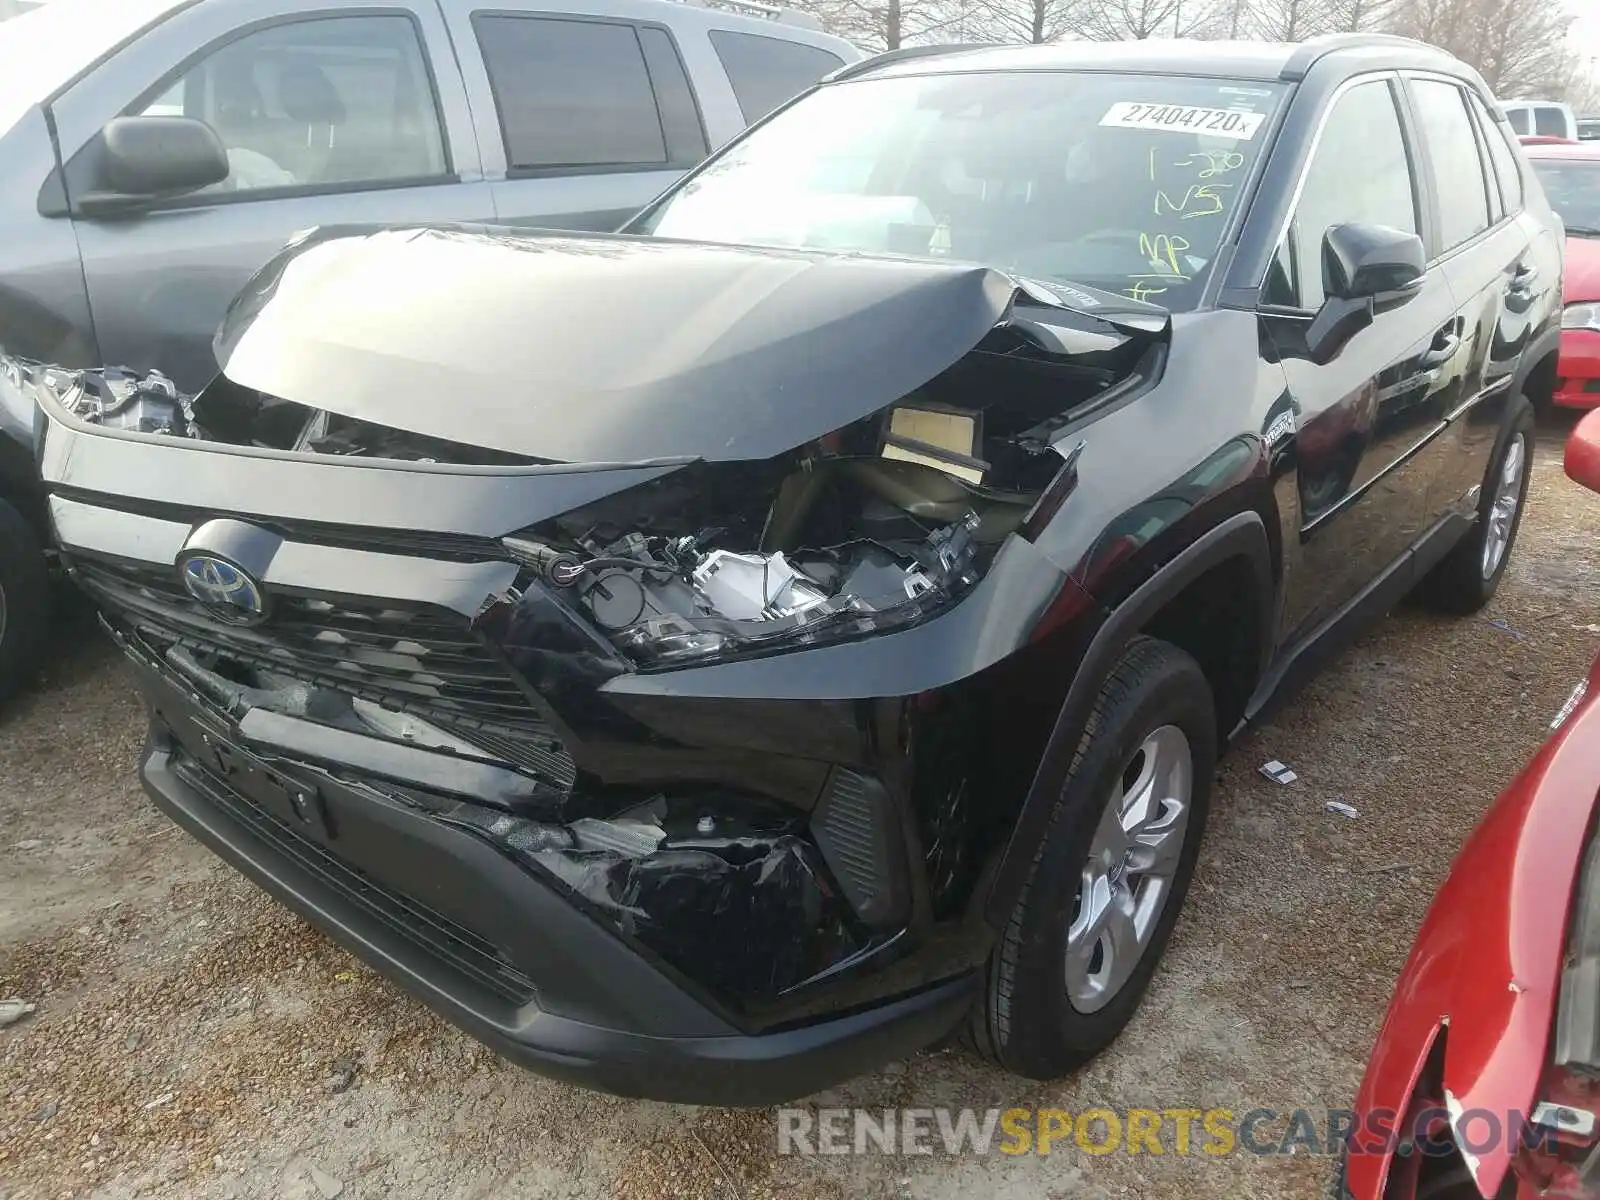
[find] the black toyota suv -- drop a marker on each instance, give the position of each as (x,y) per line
(710,660)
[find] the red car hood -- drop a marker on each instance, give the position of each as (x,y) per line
(1583,270)
(1487,962)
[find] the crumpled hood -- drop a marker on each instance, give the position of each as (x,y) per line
(599,348)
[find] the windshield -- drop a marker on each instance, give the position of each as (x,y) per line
(1124,182)
(1573,186)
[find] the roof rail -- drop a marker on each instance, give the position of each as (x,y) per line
(1312,49)
(770,12)
(905,53)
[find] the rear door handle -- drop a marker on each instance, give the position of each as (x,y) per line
(1522,279)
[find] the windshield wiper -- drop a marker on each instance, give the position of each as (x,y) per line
(1585,231)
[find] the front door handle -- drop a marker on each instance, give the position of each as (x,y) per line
(1442,351)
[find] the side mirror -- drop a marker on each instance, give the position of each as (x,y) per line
(1366,269)
(141,159)
(1361,261)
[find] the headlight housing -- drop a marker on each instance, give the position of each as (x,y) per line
(1581,316)
(683,572)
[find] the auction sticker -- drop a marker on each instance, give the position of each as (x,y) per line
(1185,118)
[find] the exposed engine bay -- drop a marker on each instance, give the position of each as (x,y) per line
(872,526)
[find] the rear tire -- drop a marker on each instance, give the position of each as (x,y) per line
(24,601)
(1467,578)
(1110,874)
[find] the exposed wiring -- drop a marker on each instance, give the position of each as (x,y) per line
(628,564)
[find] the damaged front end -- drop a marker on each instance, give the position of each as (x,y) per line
(712,627)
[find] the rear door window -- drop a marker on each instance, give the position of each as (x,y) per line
(1458,174)
(766,71)
(1506,171)
(588,94)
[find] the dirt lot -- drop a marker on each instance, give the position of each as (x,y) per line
(193,1039)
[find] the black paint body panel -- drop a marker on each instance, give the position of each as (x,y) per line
(1317,492)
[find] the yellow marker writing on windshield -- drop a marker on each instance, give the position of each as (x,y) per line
(1216,162)
(1162,249)
(1200,200)
(1142,291)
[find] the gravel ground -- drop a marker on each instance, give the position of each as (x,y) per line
(193,1039)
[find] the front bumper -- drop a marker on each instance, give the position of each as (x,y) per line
(1578,375)
(484,943)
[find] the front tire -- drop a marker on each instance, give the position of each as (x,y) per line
(24,601)
(1110,875)
(1466,579)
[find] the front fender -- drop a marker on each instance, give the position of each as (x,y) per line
(1243,535)
(19,469)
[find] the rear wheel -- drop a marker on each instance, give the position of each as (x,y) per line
(1110,875)
(1466,579)
(24,607)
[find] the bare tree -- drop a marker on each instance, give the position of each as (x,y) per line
(969,21)
(1290,20)
(890,24)
(1523,47)
(1583,90)
(1518,46)
(1035,21)
(1136,20)
(1434,21)
(1358,16)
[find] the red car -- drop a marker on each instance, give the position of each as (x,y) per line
(1570,173)
(1484,1083)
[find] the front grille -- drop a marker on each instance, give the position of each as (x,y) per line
(458,947)
(417,659)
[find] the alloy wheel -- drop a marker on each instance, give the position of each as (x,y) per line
(1130,868)
(1502,513)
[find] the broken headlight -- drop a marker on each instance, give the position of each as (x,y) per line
(118,399)
(664,601)
(839,562)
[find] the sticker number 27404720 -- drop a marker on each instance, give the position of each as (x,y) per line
(1185,118)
